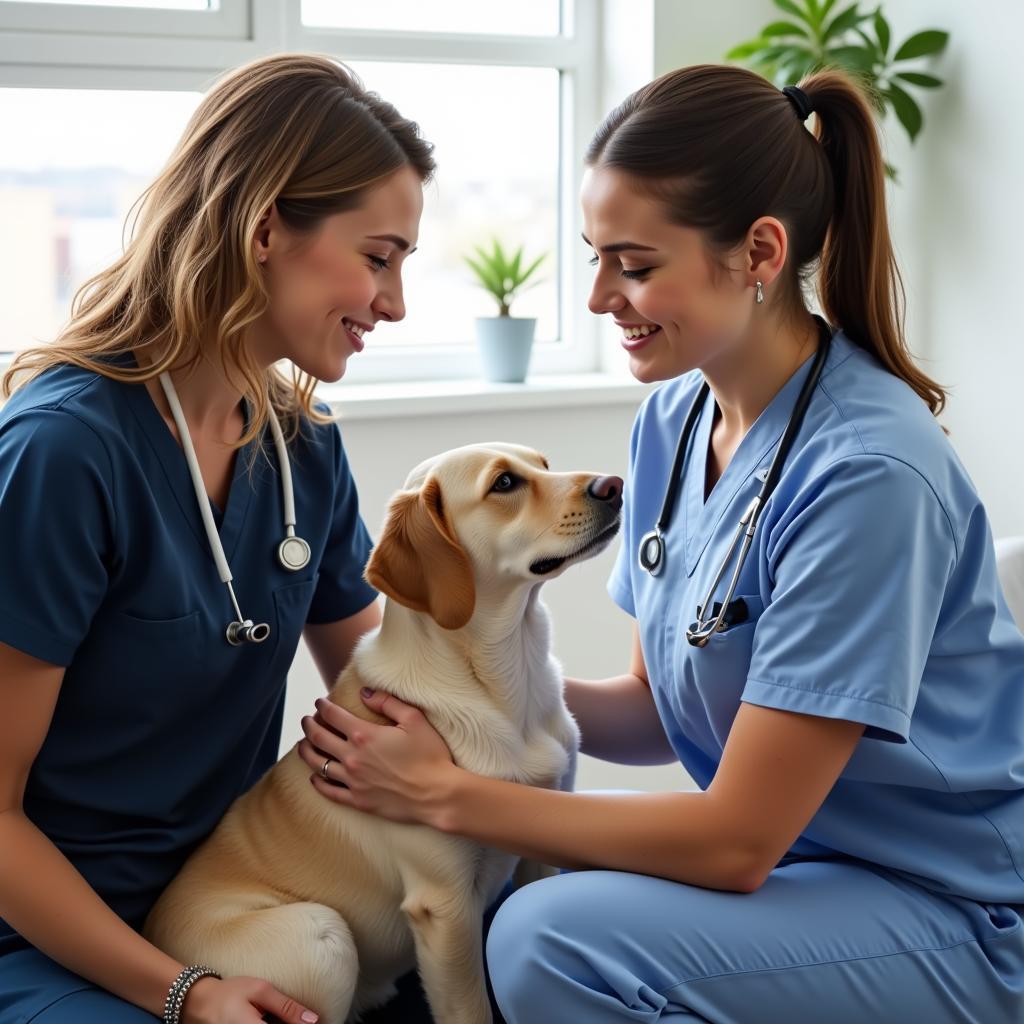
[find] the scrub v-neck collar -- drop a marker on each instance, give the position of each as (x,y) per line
(171,457)
(755,450)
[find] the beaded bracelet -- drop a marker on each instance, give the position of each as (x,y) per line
(179,988)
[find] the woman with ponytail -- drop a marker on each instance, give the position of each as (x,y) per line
(849,697)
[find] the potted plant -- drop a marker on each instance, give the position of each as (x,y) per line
(823,33)
(505,341)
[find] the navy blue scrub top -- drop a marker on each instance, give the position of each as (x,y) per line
(106,569)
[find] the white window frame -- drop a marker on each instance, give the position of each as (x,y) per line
(69,46)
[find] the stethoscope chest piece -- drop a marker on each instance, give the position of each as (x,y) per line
(293,553)
(651,553)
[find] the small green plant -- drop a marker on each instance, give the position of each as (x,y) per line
(501,275)
(855,40)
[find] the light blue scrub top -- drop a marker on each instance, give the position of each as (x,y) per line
(105,568)
(873,597)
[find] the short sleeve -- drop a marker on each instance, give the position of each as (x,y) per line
(57,522)
(858,567)
(620,582)
(341,590)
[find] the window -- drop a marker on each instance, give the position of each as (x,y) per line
(65,195)
(524,18)
(508,96)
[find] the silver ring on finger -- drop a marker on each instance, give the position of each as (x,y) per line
(323,769)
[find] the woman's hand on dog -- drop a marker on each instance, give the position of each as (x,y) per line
(397,771)
(241,1001)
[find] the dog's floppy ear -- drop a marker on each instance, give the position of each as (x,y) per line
(419,562)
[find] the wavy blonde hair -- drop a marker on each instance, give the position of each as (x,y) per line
(295,130)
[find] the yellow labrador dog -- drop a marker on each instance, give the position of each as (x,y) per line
(331,905)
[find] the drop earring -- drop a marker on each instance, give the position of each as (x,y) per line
(759,296)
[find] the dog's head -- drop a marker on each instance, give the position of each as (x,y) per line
(487,516)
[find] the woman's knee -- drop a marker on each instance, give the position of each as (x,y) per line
(521,935)
(93,1006)
(540,936)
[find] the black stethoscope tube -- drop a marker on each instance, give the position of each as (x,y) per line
(651,551)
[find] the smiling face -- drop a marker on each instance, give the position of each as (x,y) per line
(678,304)
(329,290)
(485,520)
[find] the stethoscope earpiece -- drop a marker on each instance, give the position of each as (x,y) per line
(293,552)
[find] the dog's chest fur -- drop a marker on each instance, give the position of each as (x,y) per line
(496,701)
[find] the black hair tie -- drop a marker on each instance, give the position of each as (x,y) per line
(800,100)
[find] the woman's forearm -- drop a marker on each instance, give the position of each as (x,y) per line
(47,901)
(686,837)
(618,720)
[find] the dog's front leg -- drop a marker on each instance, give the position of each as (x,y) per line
(448,930)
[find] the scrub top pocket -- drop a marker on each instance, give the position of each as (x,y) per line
(143,663)
(291,603)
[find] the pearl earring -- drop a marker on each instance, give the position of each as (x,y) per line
(759,297)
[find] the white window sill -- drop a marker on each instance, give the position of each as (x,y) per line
(458,397)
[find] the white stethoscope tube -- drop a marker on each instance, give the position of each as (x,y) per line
(293,552)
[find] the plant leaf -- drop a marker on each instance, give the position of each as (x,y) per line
(883,33)
(798,65)
(747,49)
(486,280)
(773,54)
(500,262)
(872,45)
(906,108)
(826,9)
(919,78)
(513,270)
(855,58)
(531,268)
(783,28)
(843,22)
(791,8)
(922,44)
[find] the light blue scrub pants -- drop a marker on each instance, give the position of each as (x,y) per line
(836,941)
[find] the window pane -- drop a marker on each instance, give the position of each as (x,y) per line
(496,132)
(175,5)
(523,18)
(69,173)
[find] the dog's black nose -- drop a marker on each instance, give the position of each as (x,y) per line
(608,489)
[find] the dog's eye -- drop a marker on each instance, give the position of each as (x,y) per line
(505,483)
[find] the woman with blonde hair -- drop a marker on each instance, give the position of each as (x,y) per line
(137,699)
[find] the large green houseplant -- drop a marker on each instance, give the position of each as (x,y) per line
(505,341)
(826,33)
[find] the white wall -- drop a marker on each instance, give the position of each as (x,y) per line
(958,216)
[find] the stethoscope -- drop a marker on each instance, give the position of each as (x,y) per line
(651,552)
(293,552)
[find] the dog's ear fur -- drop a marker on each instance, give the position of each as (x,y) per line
(419,562)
